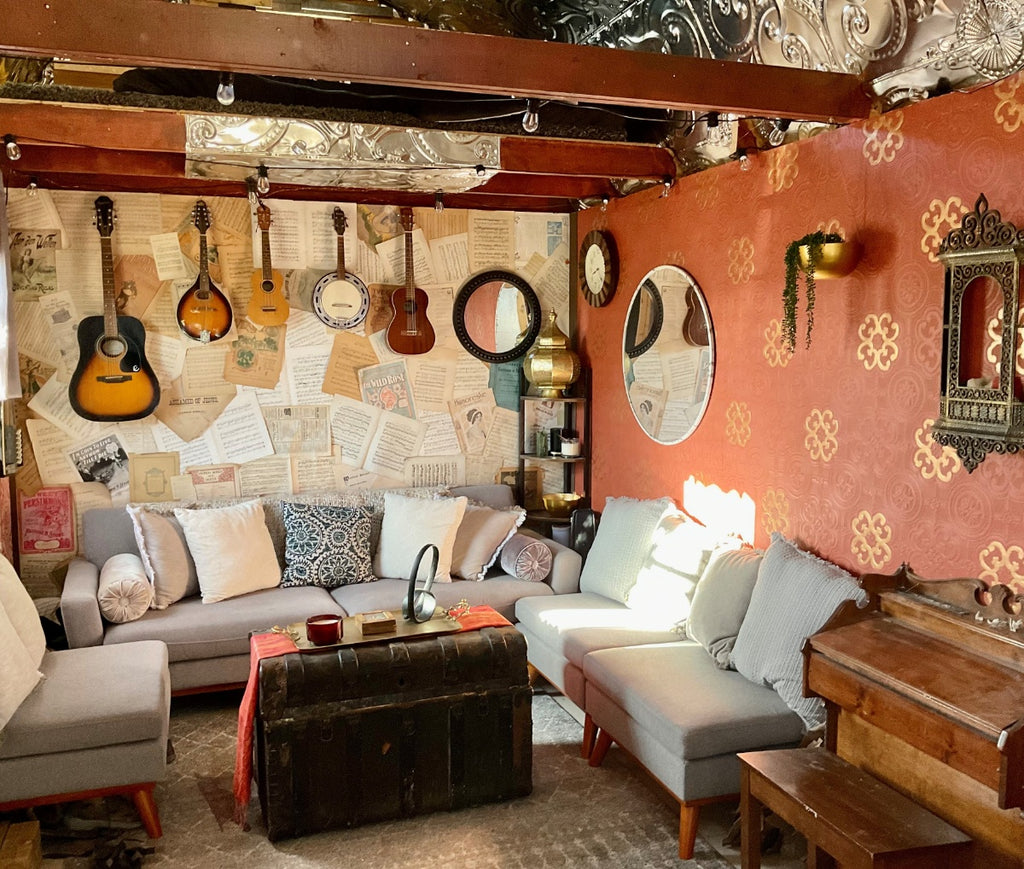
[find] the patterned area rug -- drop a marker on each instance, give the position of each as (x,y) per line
(614,816)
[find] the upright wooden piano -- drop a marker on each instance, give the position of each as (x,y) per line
(926,692)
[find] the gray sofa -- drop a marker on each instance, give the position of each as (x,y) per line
(208,644)
(675,685)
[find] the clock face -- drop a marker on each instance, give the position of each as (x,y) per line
(599,268)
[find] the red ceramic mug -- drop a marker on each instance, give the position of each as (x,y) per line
(324,629)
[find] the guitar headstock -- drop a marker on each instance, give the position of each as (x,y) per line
(340,221)
(105,216)
(263,217)
(201,216)
(407,223)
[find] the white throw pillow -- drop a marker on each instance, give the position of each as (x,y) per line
(165,556)
(411,523)
(721,600)
(232,549)
(18,675)
(795,594)
(21,611)
(482,533)
(621,545)
(125,592)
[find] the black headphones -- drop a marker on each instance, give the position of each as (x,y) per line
(420,604)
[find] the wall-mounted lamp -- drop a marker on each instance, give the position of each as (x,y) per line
(262,181)
(226,89)
(11,148)
(531,120)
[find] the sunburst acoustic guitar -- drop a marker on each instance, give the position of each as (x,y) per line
(113,380)
(340,299)
(267,306)
(204,313)
(410,332)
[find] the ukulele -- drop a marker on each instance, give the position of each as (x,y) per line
(410,332)
(204,313)
(113,380)
(340,299)
(268,306)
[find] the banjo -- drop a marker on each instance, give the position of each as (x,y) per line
(341,299)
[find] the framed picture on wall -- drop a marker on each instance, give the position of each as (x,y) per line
(532,489)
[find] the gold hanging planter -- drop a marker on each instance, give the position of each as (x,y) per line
(838,259)
(550,366)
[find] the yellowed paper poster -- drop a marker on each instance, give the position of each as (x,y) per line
(256,357)
(349,353)
(149,475)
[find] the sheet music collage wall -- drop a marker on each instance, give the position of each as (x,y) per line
(255,394)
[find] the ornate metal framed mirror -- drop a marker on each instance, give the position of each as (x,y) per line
(981,407)
(496,316)
(668,354)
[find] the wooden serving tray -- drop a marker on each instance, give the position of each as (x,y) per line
(352,632)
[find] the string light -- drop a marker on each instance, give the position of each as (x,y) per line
(11,147)
(604,203)
(33,186)
(262,181)
(531,120)
(226,89)
(778,132)
(667,186)
(439,202)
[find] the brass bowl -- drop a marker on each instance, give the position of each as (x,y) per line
(561,504)
(838,258)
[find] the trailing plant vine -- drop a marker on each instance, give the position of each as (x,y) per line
(815,241)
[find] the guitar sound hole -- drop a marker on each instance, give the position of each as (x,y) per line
(112,347)
(268,286)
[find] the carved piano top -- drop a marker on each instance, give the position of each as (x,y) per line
(938,667)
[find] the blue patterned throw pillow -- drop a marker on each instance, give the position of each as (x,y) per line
(326,546)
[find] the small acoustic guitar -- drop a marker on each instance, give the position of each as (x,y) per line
(340,299)
(268,306)
(204,313)
(113,380)
(695,324)
(410,332)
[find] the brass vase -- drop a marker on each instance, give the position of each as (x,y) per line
(838,259)
(550,366)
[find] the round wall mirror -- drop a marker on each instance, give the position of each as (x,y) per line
(668,354)
(496,316)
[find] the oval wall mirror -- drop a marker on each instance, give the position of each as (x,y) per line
(668,354)
(496,316)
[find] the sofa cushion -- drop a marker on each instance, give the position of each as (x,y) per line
(795,594)
(92,697)
(21,610)
(621,546)
(575,624)
(526,557)
(326,546)
(125,592)
(411,523)
(481,535)
(690,706)
(721,599)
(232,549)
(18,674)
(194,630)
(165,555)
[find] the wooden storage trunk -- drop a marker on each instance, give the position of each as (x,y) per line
(364,733)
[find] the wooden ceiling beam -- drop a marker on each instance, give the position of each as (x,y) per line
(157,33)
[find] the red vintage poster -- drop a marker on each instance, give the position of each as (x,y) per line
(46,521)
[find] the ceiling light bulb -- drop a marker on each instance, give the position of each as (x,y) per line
(744,163)
(262,181)
(531,120)
(33,187)
(226,89)
(439,202)
(778,132)
(11,147)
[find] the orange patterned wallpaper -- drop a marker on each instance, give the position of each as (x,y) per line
(831,443)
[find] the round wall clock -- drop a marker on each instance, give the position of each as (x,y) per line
(599,267)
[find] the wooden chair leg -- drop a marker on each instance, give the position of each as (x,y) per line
(589,735)
(145,805)
(751,822)
(604,742)
(689,816)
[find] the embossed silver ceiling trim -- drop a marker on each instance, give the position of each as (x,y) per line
(335,154)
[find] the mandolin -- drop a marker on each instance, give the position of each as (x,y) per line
(268,306)
(410,332)
(113,380)
(204,313)
(340,299)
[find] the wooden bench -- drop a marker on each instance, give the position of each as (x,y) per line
(846,815)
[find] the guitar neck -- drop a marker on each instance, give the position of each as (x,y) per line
(204,265)
(410,283)
(341,257)
(109,295)
(268,270)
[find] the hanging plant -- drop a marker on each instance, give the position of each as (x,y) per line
(814,241)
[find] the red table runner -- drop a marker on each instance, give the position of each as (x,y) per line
(270,645)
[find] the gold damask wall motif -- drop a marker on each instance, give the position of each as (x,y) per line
(782,168)
(741,260)
(775,511)
(878,348)
(1002,565)
(775,351)
(882,137)
(938,220)
(822,440)
(737,423)
(872,537)
(932,459)
(1009,112)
